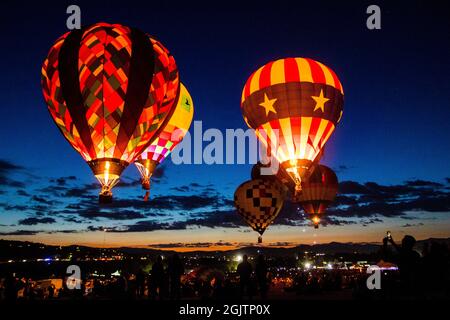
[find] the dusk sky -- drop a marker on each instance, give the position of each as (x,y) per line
(391,150)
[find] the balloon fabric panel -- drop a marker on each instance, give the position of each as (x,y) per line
(104,58)
(259,202)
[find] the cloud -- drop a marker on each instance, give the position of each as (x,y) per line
(342,168)
(422,183)
(34,221)
(409,225)
(123,183)
(280,244)
(22,193)
(111,215)
(352,187)
(7,166)
(204,206)
(62,181)
(190,245)
(41,200)
(20,233)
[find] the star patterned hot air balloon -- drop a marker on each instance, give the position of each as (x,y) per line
(259,202)
(170,136)
(294,105)
(318,192)
(108,88)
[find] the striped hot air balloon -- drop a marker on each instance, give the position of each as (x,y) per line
(318,192)
(108,88)
(171,134)
(294,104)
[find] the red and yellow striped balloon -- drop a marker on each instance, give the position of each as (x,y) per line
(318,192)
(294,104)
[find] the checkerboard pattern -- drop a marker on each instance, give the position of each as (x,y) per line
(259,202)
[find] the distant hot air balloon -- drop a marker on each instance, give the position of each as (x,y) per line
(259,202)
(108,88)
(318,192)
(294,104)
(177,124)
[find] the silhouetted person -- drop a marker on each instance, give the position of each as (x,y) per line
(261,276)
(157,278)
(10,288)
(176,270)
(436,268)
(122,286)
(218,289)
(244,270)
(140,283)
(51,291)
(407,259)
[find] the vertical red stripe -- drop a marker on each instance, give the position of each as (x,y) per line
(337,83)
(296,123)
(315,123)
(291,72)
(316,71)
(247,86)
(264,77)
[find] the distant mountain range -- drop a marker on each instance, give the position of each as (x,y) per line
(31,250)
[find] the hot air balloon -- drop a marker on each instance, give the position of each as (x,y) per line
(294,105)
(318,192)
(259,202)
(108,88)
(171,134)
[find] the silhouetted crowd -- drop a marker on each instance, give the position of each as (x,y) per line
(425,275)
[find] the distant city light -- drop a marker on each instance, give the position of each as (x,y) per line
(238,258)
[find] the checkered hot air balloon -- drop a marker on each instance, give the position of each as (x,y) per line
(171,134)
(294,104)
(259,202)
(318,192)
(108,88)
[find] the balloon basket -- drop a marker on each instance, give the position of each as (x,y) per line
(259,239)
(146,185)
(104,198)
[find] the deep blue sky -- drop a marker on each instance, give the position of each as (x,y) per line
(396,80)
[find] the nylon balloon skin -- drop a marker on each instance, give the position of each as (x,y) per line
(108,88)
(171,134)
(294,105)
(319,191)
(259,202)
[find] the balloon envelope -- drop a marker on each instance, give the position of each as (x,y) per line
(294,104)
(171,134)
(259,202)
(318,192)
(108,88)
